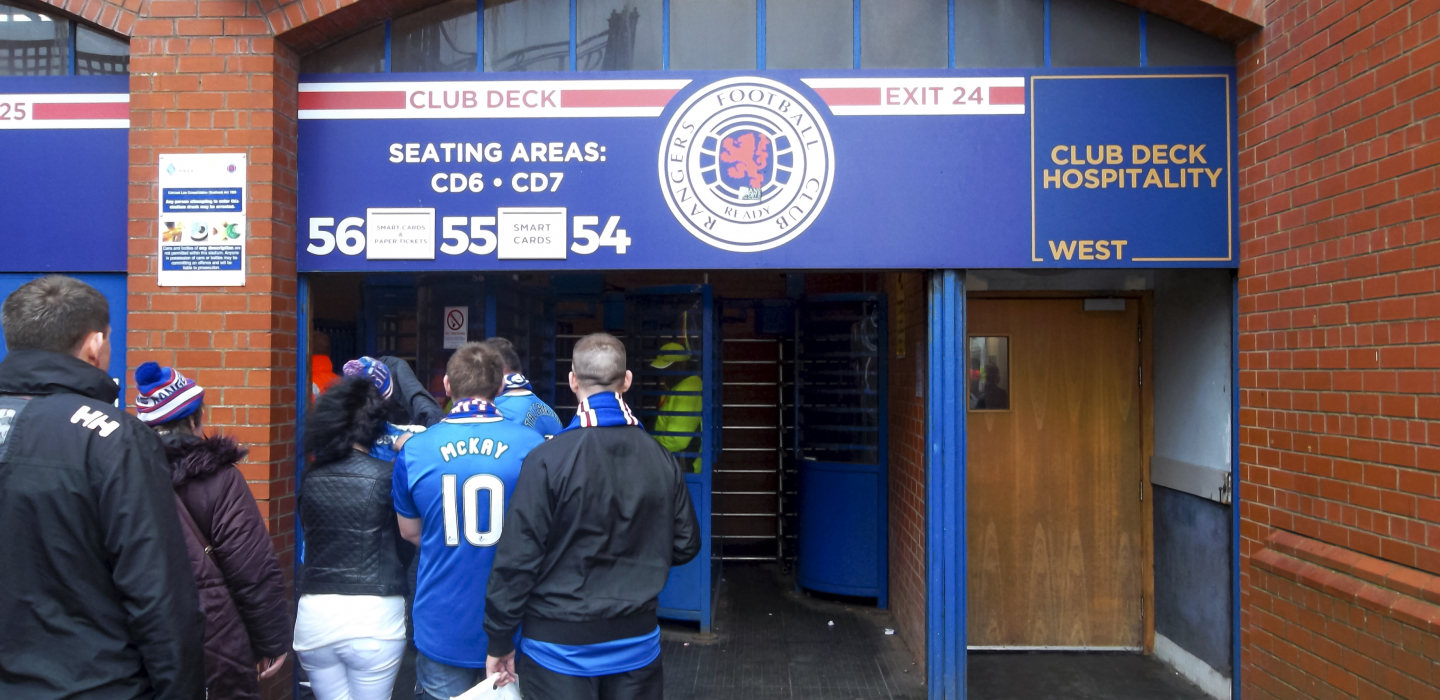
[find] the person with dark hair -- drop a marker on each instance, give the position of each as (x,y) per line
(97,598)
(387,445)
(450,488)
(600,491)
(409,403)
(247,613)
(517,401)
(350,619)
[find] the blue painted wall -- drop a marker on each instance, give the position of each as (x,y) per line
(113,287)
(1192,575)
(66,190)
(1193,377)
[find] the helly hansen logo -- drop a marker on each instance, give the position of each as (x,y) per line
(95,420)
(7,420)
(473,446)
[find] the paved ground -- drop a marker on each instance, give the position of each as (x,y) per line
(769,642)
(998,676)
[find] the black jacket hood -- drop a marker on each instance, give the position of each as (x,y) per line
(193,457)
(41,372)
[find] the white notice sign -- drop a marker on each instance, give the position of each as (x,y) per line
(202,220)
(457,326)
(532,233)
(400,234)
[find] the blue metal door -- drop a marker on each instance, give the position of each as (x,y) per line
(840,444)
(673,347)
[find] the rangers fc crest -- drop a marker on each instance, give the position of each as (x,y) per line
(746,164)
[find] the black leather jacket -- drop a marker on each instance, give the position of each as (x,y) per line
(352,539)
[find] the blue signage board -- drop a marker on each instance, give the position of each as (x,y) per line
(65,173)
(767,170)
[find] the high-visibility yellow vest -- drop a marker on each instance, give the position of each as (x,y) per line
(669,422)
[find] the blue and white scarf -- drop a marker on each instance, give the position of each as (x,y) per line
(602,411)
(473,411)
(517,385)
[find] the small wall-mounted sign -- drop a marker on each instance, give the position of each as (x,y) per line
(202,220)
(457,326)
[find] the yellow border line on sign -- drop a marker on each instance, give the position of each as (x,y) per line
(1229,165)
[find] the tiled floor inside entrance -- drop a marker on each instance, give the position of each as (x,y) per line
(770,642)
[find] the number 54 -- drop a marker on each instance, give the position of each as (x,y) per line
(587,242)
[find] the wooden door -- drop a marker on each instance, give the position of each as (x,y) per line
(1055,529)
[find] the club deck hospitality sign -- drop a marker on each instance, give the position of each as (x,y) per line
(768,169)
(202,220)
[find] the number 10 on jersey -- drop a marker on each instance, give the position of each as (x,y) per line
(465,502)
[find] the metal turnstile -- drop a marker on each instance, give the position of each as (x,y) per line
(840,444)
(681,316)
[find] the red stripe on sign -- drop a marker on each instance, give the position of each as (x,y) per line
(1007,95)
(849,96)
(81,110)
(352,100)
(616,98)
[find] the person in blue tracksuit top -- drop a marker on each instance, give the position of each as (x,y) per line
(517,401)
(450,488)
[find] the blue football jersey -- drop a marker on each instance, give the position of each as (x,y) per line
(528,410)
(457,478)
(384,447)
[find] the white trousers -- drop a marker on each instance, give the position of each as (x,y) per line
(353,669)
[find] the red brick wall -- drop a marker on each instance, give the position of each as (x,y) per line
(908,323)
(208,77)
(1339,117)
(1336,623)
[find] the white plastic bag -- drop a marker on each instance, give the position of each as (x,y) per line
(486,690)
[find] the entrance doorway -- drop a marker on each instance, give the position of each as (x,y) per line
(772,444)
(1058,532)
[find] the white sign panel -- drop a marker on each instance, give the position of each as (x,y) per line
(457,326)
(400,234)
(532,233)
(202,220)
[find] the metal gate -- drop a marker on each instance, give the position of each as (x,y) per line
(840,444)
(673,346)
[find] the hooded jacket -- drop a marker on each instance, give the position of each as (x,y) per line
(97,599)
(247,617)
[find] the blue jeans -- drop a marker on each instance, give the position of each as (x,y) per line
(437,681)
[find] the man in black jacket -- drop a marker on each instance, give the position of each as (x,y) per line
(599,515)
(97,599)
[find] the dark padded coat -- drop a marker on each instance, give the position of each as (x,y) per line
(247,617)
(96,596)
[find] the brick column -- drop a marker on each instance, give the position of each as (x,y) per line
(209,76)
